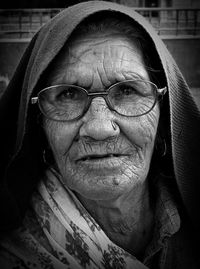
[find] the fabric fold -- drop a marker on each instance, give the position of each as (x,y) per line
(72,232)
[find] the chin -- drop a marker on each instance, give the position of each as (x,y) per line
(104,188)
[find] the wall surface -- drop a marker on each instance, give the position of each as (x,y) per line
(10,54)
(186,53)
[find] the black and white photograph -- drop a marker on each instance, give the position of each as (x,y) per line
(100,134)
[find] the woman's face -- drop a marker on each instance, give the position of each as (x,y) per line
(95,159)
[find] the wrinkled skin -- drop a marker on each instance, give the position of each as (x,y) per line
(118,183)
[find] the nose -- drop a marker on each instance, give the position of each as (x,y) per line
(99,122)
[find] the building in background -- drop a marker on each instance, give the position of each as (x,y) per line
(66,3)
(161,3)
(176,21)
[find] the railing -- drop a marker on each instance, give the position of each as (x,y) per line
(173,21)
(23,23)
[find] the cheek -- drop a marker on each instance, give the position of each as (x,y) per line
(60,136)
(148,127)
(142,130)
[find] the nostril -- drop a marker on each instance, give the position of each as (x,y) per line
(114,125)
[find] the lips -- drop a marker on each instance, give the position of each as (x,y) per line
(94,157)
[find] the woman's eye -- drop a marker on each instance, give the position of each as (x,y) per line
(68,94)
(127,91)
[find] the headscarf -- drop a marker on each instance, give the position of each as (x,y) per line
(21,148)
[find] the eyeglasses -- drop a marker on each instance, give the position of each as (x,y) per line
(130,98)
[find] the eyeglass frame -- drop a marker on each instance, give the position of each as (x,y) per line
(90,96)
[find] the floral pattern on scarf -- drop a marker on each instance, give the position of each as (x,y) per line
(69,237)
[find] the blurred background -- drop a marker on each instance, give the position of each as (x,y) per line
(176,21)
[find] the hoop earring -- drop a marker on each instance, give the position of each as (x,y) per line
(164,148)
(47,158)
(44,157)
(161,147)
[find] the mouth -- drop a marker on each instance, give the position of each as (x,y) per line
(99,157)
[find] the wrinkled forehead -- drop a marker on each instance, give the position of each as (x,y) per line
(98,43)
(106,29)
(107,54)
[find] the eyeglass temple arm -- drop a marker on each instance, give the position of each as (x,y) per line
(34,100)
(162,91)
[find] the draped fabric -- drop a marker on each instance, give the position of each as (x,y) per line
(57,232)
(76,240)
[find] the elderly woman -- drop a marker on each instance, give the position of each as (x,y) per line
(100,146)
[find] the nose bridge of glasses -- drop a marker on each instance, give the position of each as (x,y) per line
(98,102)
(98,120)
(98,108)
(97,94)
(96,99)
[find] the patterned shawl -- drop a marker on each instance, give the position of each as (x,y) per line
(75,239)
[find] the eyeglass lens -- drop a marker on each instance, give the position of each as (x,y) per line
(67,102)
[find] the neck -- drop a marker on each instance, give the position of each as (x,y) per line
(127,220)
